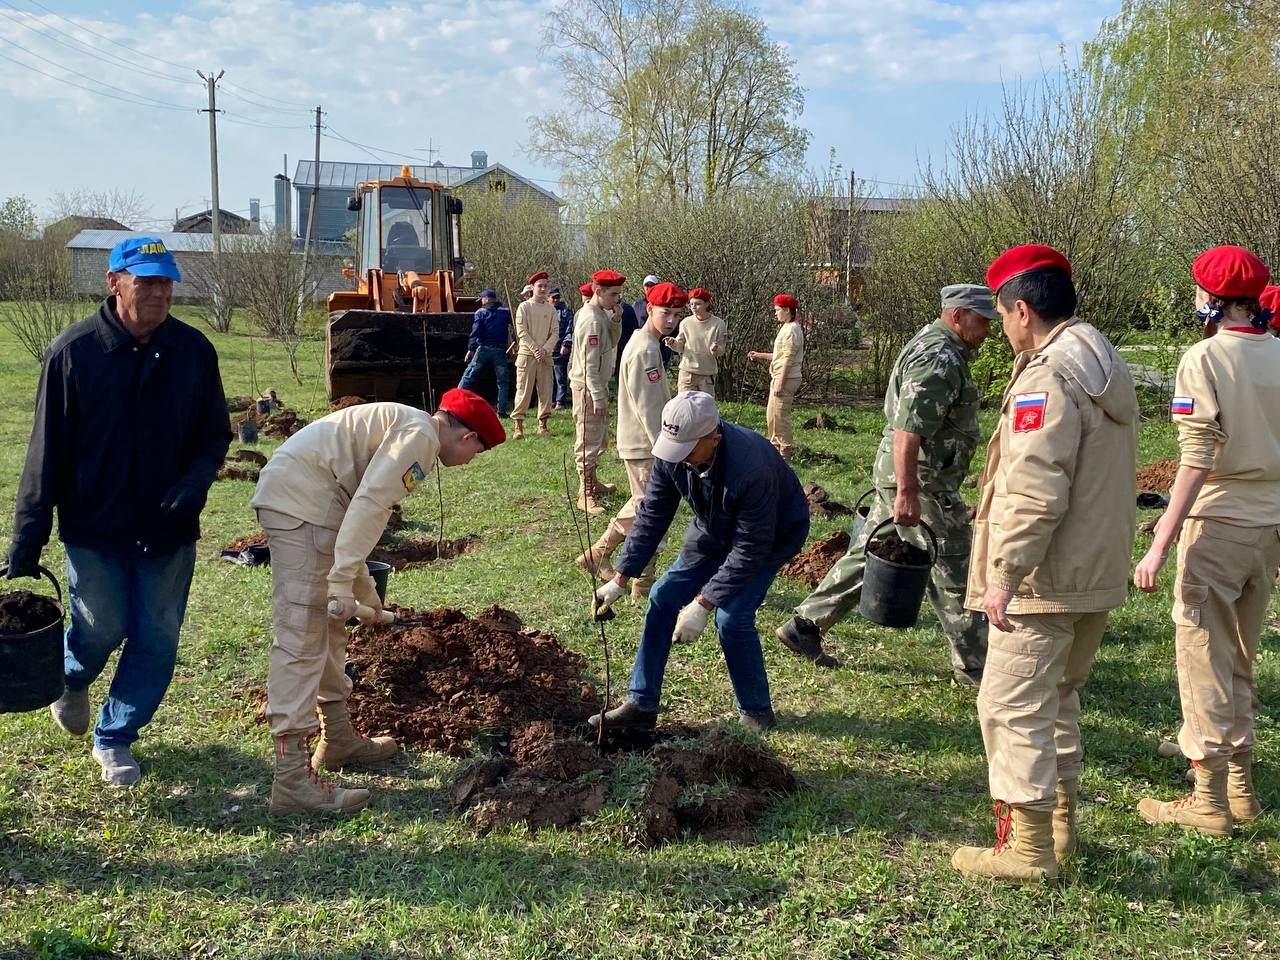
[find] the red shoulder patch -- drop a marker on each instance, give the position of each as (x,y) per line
(593,340)
(1028,411)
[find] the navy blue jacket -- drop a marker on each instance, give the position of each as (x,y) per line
(118,426)
(749,516)
(630,324)
(489,329)
(566,330)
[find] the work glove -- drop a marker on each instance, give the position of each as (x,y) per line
(182,500)
(691,622)
(607,594)
(23,561)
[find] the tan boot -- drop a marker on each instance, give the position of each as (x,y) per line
(296,788)
(542,427)
(1028,857)
(1204,809)
(605,489)
(588,498)
(519,433)
(340,746)
(597,560)
(1064,819)
(1241,797)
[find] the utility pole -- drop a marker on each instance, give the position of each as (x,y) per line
(311,218)
(216,221)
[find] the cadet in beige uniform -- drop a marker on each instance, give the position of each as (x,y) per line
(1051,547)
(701,340)
(642,393)
(591,365)
(537,330)
(1227,408)
(785,363)
(323,500)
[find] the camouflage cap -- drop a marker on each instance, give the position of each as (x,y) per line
(970,296)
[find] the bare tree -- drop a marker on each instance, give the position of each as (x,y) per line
(268,275)
(125,206)
(217,287)
(507,242)
(44,302)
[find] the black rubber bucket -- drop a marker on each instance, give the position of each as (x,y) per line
(892,592)
(379,571)
(31,663)
(861,510)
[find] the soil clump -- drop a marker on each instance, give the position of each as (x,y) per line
(412,551)
(821,504)
(23,611)
(825,421)
(811,565)
(1158,477)
(343,402)
(237,471)
(243,543)
(249,456)
(893,549)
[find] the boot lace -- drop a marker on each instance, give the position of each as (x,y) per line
(1004,825)
(313,776)
(1189,799)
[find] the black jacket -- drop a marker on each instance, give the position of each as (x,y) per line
(118,426)
(748,516)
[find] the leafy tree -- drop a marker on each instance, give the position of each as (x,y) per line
(17,217)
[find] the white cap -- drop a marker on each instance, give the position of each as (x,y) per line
(686,419)
(651,280)
(527,291)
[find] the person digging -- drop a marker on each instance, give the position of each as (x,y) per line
(749,518)
(323,500)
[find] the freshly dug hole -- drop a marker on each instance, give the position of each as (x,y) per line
(406,553)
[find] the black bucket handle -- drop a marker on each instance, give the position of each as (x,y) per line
(4,569)
(932,539)
(858,503)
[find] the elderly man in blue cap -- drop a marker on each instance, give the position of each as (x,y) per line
(487,347)
(130,428)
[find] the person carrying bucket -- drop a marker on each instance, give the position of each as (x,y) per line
(1052,540)
(323,499)
(930,435)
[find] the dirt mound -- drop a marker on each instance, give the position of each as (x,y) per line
(407,553)
(700,782)
(439,680)
(816,562)
(343,402)
(23,611)
(1158,477)
(821,504)
(239,404)
(249,456)
(282,424)
(819,457)
(825,421)
(241,543)
(237,471)
(894,549)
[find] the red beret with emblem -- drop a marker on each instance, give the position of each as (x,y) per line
(608,278)
(585,289)
(540,275)
(1231,272)
(786,300)
(1016,261)
(474,410)
(666,295)
(1270,300)
(700,293)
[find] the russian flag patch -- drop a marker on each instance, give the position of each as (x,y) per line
(1183,406)
(1028,411)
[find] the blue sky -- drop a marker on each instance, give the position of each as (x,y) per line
(885,80)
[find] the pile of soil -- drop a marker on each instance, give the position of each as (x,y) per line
(239,404)
(809,455)
(282,424)
(242,543)
(1158,477)
(237,471)
(438,680)
(894,549)
(815,563)
(249,456)
(23,611)
(409,552)
(825,421)
(343,402)
(820,503)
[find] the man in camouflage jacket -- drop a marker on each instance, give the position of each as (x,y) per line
(930,435)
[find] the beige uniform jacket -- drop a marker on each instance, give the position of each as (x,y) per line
(537,325)
(642,393)
(1227,408)
(695,341)
(1056,516)
(345,472)
(595,349)
(788,352)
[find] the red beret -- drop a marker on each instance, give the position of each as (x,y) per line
(786,300)
(666,295)
(1230,272)
(1016,261)
(700,293)
(585,289)
(1270,300)
(474,410)
(607,278)
(540,275)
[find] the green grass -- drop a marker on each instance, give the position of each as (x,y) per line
(855,865)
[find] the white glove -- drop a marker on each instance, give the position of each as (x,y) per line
(344,608)
(607,594)
(691,622)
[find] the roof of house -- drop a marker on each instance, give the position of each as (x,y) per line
(190,242)
(343,175)
(87,223)
(193,219)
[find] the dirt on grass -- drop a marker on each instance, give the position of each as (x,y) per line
(825,421)
(1158,477)
(893,549)
(237,471)
(343,402)
(249,456)
(811,565)
(282,424)
(23,611)
(821,504)
(413,551)
(242,543)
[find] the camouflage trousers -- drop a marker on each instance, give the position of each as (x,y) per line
(948,516)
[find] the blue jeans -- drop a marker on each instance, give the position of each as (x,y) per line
(119,597)
(495,357)
(735,622)
(560,367)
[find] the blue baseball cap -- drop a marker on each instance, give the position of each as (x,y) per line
(489,294)
(143,257)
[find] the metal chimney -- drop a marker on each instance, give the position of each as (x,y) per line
(284,204)
(255,212)
(479,160)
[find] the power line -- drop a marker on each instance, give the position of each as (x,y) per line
(236,118)
(139,96)
(81,86)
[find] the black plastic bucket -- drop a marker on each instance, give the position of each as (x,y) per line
(247,431)
(379,571)
(31,663)
(892,592)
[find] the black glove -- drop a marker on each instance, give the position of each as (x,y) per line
(182,500)
(23,561)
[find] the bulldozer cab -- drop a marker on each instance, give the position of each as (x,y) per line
(401,334)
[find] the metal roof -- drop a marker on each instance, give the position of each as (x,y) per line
(342,175)
(189,242)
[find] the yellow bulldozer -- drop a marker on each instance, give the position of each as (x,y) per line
(402,333)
